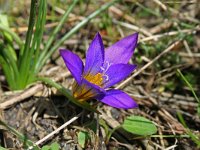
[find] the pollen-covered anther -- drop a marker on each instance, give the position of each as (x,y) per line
(96,79)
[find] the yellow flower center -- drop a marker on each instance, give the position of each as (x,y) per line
(96,79)
(84,92)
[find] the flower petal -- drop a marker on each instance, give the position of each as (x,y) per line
(95,56)
(116,73)
(73,63)
(121,51)
(118,99)
(87,90)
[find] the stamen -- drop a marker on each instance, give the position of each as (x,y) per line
(95,79)
(107,66)
(105,69)
(106,77)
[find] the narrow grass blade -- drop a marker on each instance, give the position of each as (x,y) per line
(24,51)
(5,52)
(20,136)
(11,33)
(191,89)
(189,85)
(39,31)
(71,32)
(189,132)
(56,30)
(32,41)
(8,72)
(36,42)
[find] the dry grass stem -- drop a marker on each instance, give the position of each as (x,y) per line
(124,83)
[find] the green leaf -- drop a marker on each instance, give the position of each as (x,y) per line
(82,137)
(55,146)
(46,147)
(2,148)
(139,125)
(4,21)
(11,33)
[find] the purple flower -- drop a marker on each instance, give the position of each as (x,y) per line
(103,69)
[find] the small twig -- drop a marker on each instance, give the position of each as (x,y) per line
(174,133)
(193,31)
(171,147)
(178,127)
(160,133)
(194,55)
(120,13)
(157,146)
(58,129)
(169,69)
(25,29)
(28,93)
(124,83)
(163,6)
(163,26)
(185,43)
(153,100)
(134,27)
(18,98)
